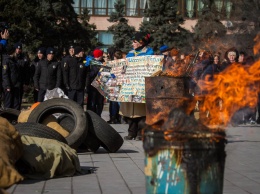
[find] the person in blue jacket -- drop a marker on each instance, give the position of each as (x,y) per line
(4,38)
(135,113)
(4,35)
(140,48)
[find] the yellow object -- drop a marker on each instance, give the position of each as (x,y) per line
(51,122)
(11,149)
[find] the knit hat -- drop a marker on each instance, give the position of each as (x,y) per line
(50,50)
(164,48)
(97,53)
(18,45)
(77,50)
(41,50)
(142,37)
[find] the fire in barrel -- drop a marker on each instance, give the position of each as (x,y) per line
(184,154)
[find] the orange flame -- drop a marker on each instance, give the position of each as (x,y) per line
(235,87)
(257,44)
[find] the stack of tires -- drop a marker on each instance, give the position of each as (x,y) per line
(82,128)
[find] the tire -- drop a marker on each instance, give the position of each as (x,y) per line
(39,130)
(91,141)
(10,114)
(67,106)
(66,121)
(107,135)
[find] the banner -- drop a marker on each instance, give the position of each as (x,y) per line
(123,80)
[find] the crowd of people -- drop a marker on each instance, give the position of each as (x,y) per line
(203,66)
(70,73)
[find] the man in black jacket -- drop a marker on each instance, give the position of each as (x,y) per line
(47,74)
(64,61)
(40,56)
(13,75)
(75,73)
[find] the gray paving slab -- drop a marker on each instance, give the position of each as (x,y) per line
(123,171)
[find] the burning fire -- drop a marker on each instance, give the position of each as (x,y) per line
(257,44)
(234,88)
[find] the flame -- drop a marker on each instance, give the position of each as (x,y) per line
(236,87)
(257,44)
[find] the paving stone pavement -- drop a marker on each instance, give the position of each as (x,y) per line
(123,172)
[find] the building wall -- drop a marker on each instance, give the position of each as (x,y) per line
(102,23)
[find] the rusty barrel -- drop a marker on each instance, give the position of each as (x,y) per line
(163,93)
(183,165)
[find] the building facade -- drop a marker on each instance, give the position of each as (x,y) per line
(100,11)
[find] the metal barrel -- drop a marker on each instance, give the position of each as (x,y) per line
(163,93)
(177,163)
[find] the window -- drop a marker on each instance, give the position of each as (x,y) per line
(224,6)
(105,38)
(136,7)
(79,5)
(100,7)
(105,7)
(111,6)
(192,8)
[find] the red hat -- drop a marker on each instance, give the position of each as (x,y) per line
(97,53)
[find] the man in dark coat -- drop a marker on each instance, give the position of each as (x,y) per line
(75,74)
(40,56)
(47,74)
(13,75)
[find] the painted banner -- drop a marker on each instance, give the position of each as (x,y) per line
(123,80)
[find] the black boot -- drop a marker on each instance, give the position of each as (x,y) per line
(118,119)
(112,120)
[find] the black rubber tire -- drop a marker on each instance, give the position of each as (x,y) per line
(62,105)
(39,130)
(110,139)
(10,114)
(91,141)
(66,121)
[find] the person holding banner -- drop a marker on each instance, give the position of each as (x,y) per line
(95,99)
(168,62)
(114,106)
(135,113)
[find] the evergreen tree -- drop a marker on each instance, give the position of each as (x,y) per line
(44,23)
(245,24)
(164,24)
(209,30)
(120,29)
(90,39)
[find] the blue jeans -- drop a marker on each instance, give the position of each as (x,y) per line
(113,108)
